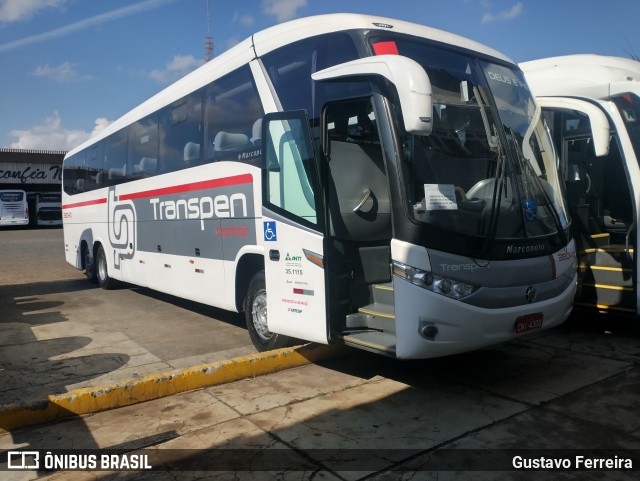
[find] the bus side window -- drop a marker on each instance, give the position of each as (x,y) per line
(115,158)
(143,148)
(290,68)
(231,109)
(181,134)
(74,174)
(94,174)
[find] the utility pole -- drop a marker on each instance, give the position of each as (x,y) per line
(208,40)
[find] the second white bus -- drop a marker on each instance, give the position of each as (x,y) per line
(341,178)
(592,104)
(14,209)
(49,209)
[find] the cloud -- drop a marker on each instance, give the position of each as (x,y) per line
(51,135)
(63,73)
(283,9)
(245,20)
(84,24)
(178,67)
(504,15)
(20,10)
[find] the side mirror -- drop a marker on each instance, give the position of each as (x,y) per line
(409,78)
(600,130)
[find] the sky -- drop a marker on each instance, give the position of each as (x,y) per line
(70,67)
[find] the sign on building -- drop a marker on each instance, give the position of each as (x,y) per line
(30,173)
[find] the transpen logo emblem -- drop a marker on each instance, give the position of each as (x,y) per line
(530,294)
(122,232)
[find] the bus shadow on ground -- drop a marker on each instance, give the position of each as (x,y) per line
(36,353)
(228,317)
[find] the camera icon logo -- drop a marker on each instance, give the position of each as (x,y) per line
(23,460)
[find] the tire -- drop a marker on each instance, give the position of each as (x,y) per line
(102,271)
(255,309)
(90,266)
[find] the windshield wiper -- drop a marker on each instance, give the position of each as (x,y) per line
(500,179)
(527,171)
(493,141)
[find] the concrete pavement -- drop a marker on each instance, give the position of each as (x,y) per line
(360,416)
(62,338)
(348,415)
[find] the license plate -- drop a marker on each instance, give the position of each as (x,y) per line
(528,322)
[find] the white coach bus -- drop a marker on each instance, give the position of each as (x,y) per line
(48,208)
(390,186)
(592,104)
(14,209)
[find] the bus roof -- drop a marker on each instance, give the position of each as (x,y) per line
(284,33)
(585,75)
(274,37)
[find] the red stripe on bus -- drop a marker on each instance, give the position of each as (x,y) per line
(178,189)
(85,203)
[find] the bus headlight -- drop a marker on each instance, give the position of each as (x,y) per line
(438,284)
(413,275)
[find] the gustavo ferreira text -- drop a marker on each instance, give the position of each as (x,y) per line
(577,462)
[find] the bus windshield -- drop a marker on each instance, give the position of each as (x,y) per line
(488,170)
(12,196)
(54,197)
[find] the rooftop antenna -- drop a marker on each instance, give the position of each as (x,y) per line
(208,40)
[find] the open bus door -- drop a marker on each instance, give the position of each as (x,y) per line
(292,229)
(599,195)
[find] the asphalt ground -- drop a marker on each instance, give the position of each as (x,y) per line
(343,414)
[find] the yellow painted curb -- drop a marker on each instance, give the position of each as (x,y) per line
(154,386)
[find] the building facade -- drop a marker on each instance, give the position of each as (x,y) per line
(34,171)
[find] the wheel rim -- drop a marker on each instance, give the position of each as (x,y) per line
(259,315)
(102,266)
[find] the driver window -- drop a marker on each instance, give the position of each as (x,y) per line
(290,179)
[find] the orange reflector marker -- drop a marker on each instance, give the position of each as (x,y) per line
(314,258)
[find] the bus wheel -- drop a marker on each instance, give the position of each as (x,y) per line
(90,266)
(102,272)
(255,309)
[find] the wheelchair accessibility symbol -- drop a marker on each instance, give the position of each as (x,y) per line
(270,231)
(529,208)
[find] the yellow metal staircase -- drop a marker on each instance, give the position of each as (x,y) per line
(606,276)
